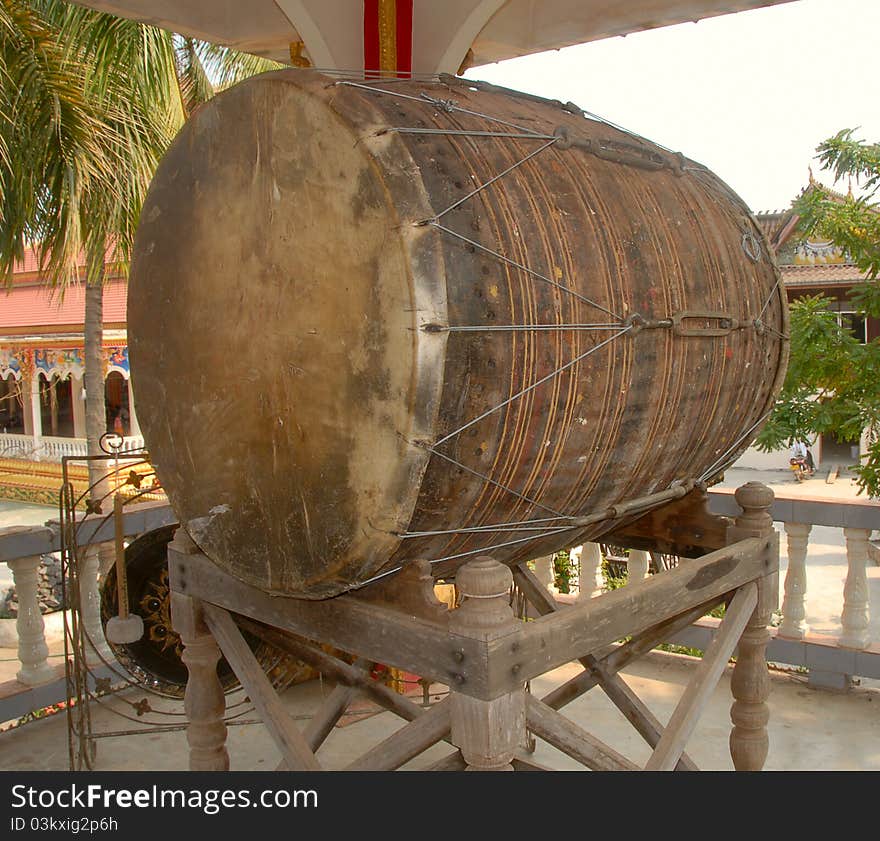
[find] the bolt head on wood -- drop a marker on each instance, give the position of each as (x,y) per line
(124,631)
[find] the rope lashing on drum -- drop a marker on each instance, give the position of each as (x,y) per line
(492,180)
(676,490)
(465,133)
(507,328)
(721,459)
(534,385)
(521,267)
(431,449)
(428,100)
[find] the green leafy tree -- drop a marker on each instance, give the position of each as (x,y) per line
(88,104)
(833,380)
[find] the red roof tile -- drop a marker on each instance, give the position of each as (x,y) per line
(37,305)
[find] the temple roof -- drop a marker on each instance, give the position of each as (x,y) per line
(331,31)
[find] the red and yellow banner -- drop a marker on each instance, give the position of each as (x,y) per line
(388,38)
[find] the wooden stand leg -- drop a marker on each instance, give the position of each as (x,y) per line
(203,701)
(750,683)
(488,733)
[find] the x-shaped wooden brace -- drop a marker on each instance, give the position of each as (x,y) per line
(602,670)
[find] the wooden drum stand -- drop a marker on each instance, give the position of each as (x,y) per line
(486,656)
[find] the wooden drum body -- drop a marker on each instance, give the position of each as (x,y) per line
(375,322)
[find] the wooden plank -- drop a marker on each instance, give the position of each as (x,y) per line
(614,686)
(289,740)
(372,631)
(582,628)
(698,691)
(29,541)
(620,656)
(323,721)
(523,762)
(409,741)
(683,527)
(339,670)
(566,736)
(453,762)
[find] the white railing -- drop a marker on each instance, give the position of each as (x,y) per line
(51,448)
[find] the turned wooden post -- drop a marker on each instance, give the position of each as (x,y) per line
(488,733)
(750,683)
(32,649)
(204,701)
(855,618)
(794,625)
(637,564)
(590,581)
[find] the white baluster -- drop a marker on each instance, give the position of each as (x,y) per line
(32,649)
(855,618)
(590,577)
(794,613)
(637,565)
(545,572)
(90,608)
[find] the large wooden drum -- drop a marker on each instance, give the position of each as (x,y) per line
(383,321)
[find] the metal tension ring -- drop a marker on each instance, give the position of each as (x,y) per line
(726,323)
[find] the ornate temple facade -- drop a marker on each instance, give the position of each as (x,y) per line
(42,405)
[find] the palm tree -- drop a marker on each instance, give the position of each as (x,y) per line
(88,104)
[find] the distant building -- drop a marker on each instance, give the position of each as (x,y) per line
(42,407)
(813,266)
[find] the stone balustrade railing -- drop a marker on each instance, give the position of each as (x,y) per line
(832,659)
(848,654)
(52,449)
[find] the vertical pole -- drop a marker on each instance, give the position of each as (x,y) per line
(32,649)
(590,581)
(637,565)
(134,427)
(546,573)
(855,617)
(794,625)
(96,649)
(488,733)
(750,683)
(36,414)
(203,700)
(77,393)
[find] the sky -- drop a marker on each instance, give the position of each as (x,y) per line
(750,95)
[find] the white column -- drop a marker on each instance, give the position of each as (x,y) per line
(32,649)
(90,608)
(545,573)
(637,565)
(134,426)
(590,580)
(794,614)
(78,396)
(36,414)
(855,618)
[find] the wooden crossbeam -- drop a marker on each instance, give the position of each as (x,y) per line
(565,735)
(337,669)
(293,746)
(407,742)
(614,686)
(696,695)
(580,629)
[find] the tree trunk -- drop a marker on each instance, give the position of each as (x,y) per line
(96,417)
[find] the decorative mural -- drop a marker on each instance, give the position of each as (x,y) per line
(10,363)
(117,360)
(60,361)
